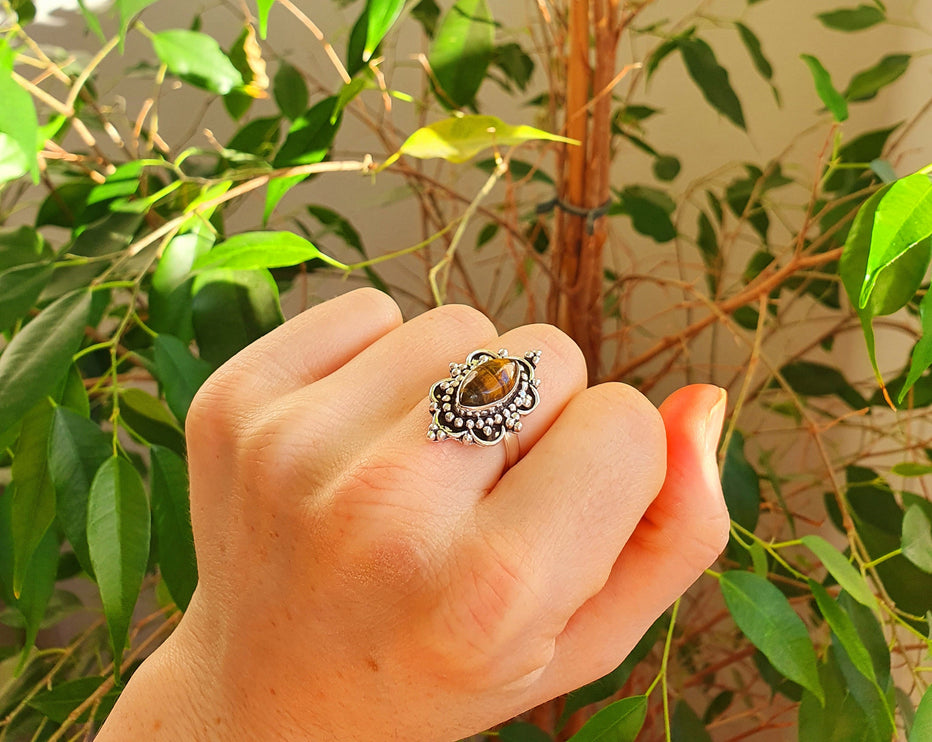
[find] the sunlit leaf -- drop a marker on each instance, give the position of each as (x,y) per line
(18,118)
(765,616)
(461,138)
(842,570)
(198,59)
(252,250)
(620,721)
(917,538)
(118,532)
(382,16)
(264,6)
(129,9)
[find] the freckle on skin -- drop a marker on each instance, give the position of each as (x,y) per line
(156,725)
(373,665)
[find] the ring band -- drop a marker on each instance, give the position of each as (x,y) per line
(484,399)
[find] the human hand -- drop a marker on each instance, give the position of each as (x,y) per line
(360,582)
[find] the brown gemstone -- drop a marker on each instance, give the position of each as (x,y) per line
(488,383)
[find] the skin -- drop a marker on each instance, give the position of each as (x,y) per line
(360,582)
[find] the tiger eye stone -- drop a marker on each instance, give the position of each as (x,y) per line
(488,383)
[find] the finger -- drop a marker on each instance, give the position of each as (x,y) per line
(304,349)
(561,516)
(682,533)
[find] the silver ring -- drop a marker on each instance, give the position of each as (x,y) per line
(483,400)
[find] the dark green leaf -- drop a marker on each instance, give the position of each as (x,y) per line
(853,19)
(518,67)
(60,700)
(252,250)
(707,242)
(118,532)
(765,616)
(867,694)
(461,52)
(77,448)
(840,718)
(686,726)
(179,372)
(911,469)
(841,569)
(666,167)
(917,538)
(290,91)
(172,514)
(922,724)
(843,628)
(871,635)
(810,379)
(752,44)
(74,394)
(619,722)
(867,83)
(712,79)
(721,703)
(521,731)
(39,356)
(863,149)
(18,118)
(231,309)
(902,219)
(145,416)
(382,15)
(19,289)
(22,246)
(427,13)
(650,210)
(259,137)
(741,485)
(833,100)
(198,59)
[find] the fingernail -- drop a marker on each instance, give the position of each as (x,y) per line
(714,421)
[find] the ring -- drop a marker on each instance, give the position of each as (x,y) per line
(483,399)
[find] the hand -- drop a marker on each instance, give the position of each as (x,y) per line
(360,582)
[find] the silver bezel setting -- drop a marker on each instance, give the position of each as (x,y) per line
(488,425)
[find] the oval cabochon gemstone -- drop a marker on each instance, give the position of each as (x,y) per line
(488,383)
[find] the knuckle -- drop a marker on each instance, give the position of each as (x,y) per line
(462,319)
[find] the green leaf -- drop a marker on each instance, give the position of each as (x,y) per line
(515,63)
(829,95)
(666,167)
(310,136)
(461,52)
(853,19)
(39,356)
(686,726)
(264,6)
(843,628)
(118,533)
(22,246)
(231,309)
(618,722)
(752,44)
(867,83)
(33,501)
(77,448)
(517,170)
(902,219)
(129,9)
(148,419)
(170,295)
(290,91)
(61,699)
(179,373)
(765,616)
(382,16)
(427,13)
(258,138)
(712,79)
(197,59)
(840,718)
(460,138)
(922,724)
(521,731)
(19,289)
(871,634)
(741,485)
(911,469)
(917,538)
(18,118)
(252,250)
(171,511)
(608,685)
(842,570)
(650,210)
(810,379)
